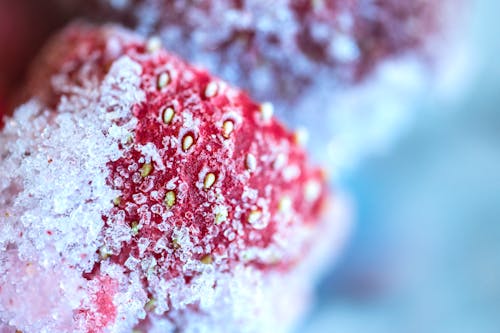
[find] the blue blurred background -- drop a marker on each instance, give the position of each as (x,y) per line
(425,250)
(424,255)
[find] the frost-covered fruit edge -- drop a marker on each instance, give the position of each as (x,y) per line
(140,191)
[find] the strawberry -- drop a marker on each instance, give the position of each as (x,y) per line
(168,198)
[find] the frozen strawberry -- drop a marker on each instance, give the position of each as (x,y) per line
(169,199)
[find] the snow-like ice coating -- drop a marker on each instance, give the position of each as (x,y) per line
(53,194)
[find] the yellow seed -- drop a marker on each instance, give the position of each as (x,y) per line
(163,80)
(153,44)
(301,136)
(266,111)
(211,89)
(227,128)
(135,228)
(104,253)
(187,142)
(170,199)
(312,190)
(146,169)
(254,216)
(150,305)
(117,201)
(285,204)
(209,180)
(167,114)
(207,259)
(221,216)
(175,244)
(251,162)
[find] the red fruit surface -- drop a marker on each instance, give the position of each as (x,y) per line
(226,156)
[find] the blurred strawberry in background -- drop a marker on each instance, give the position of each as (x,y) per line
(356,66)
(24,26)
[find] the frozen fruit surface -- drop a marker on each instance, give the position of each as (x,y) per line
(140,191)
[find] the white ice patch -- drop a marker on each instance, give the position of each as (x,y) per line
(53,193)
